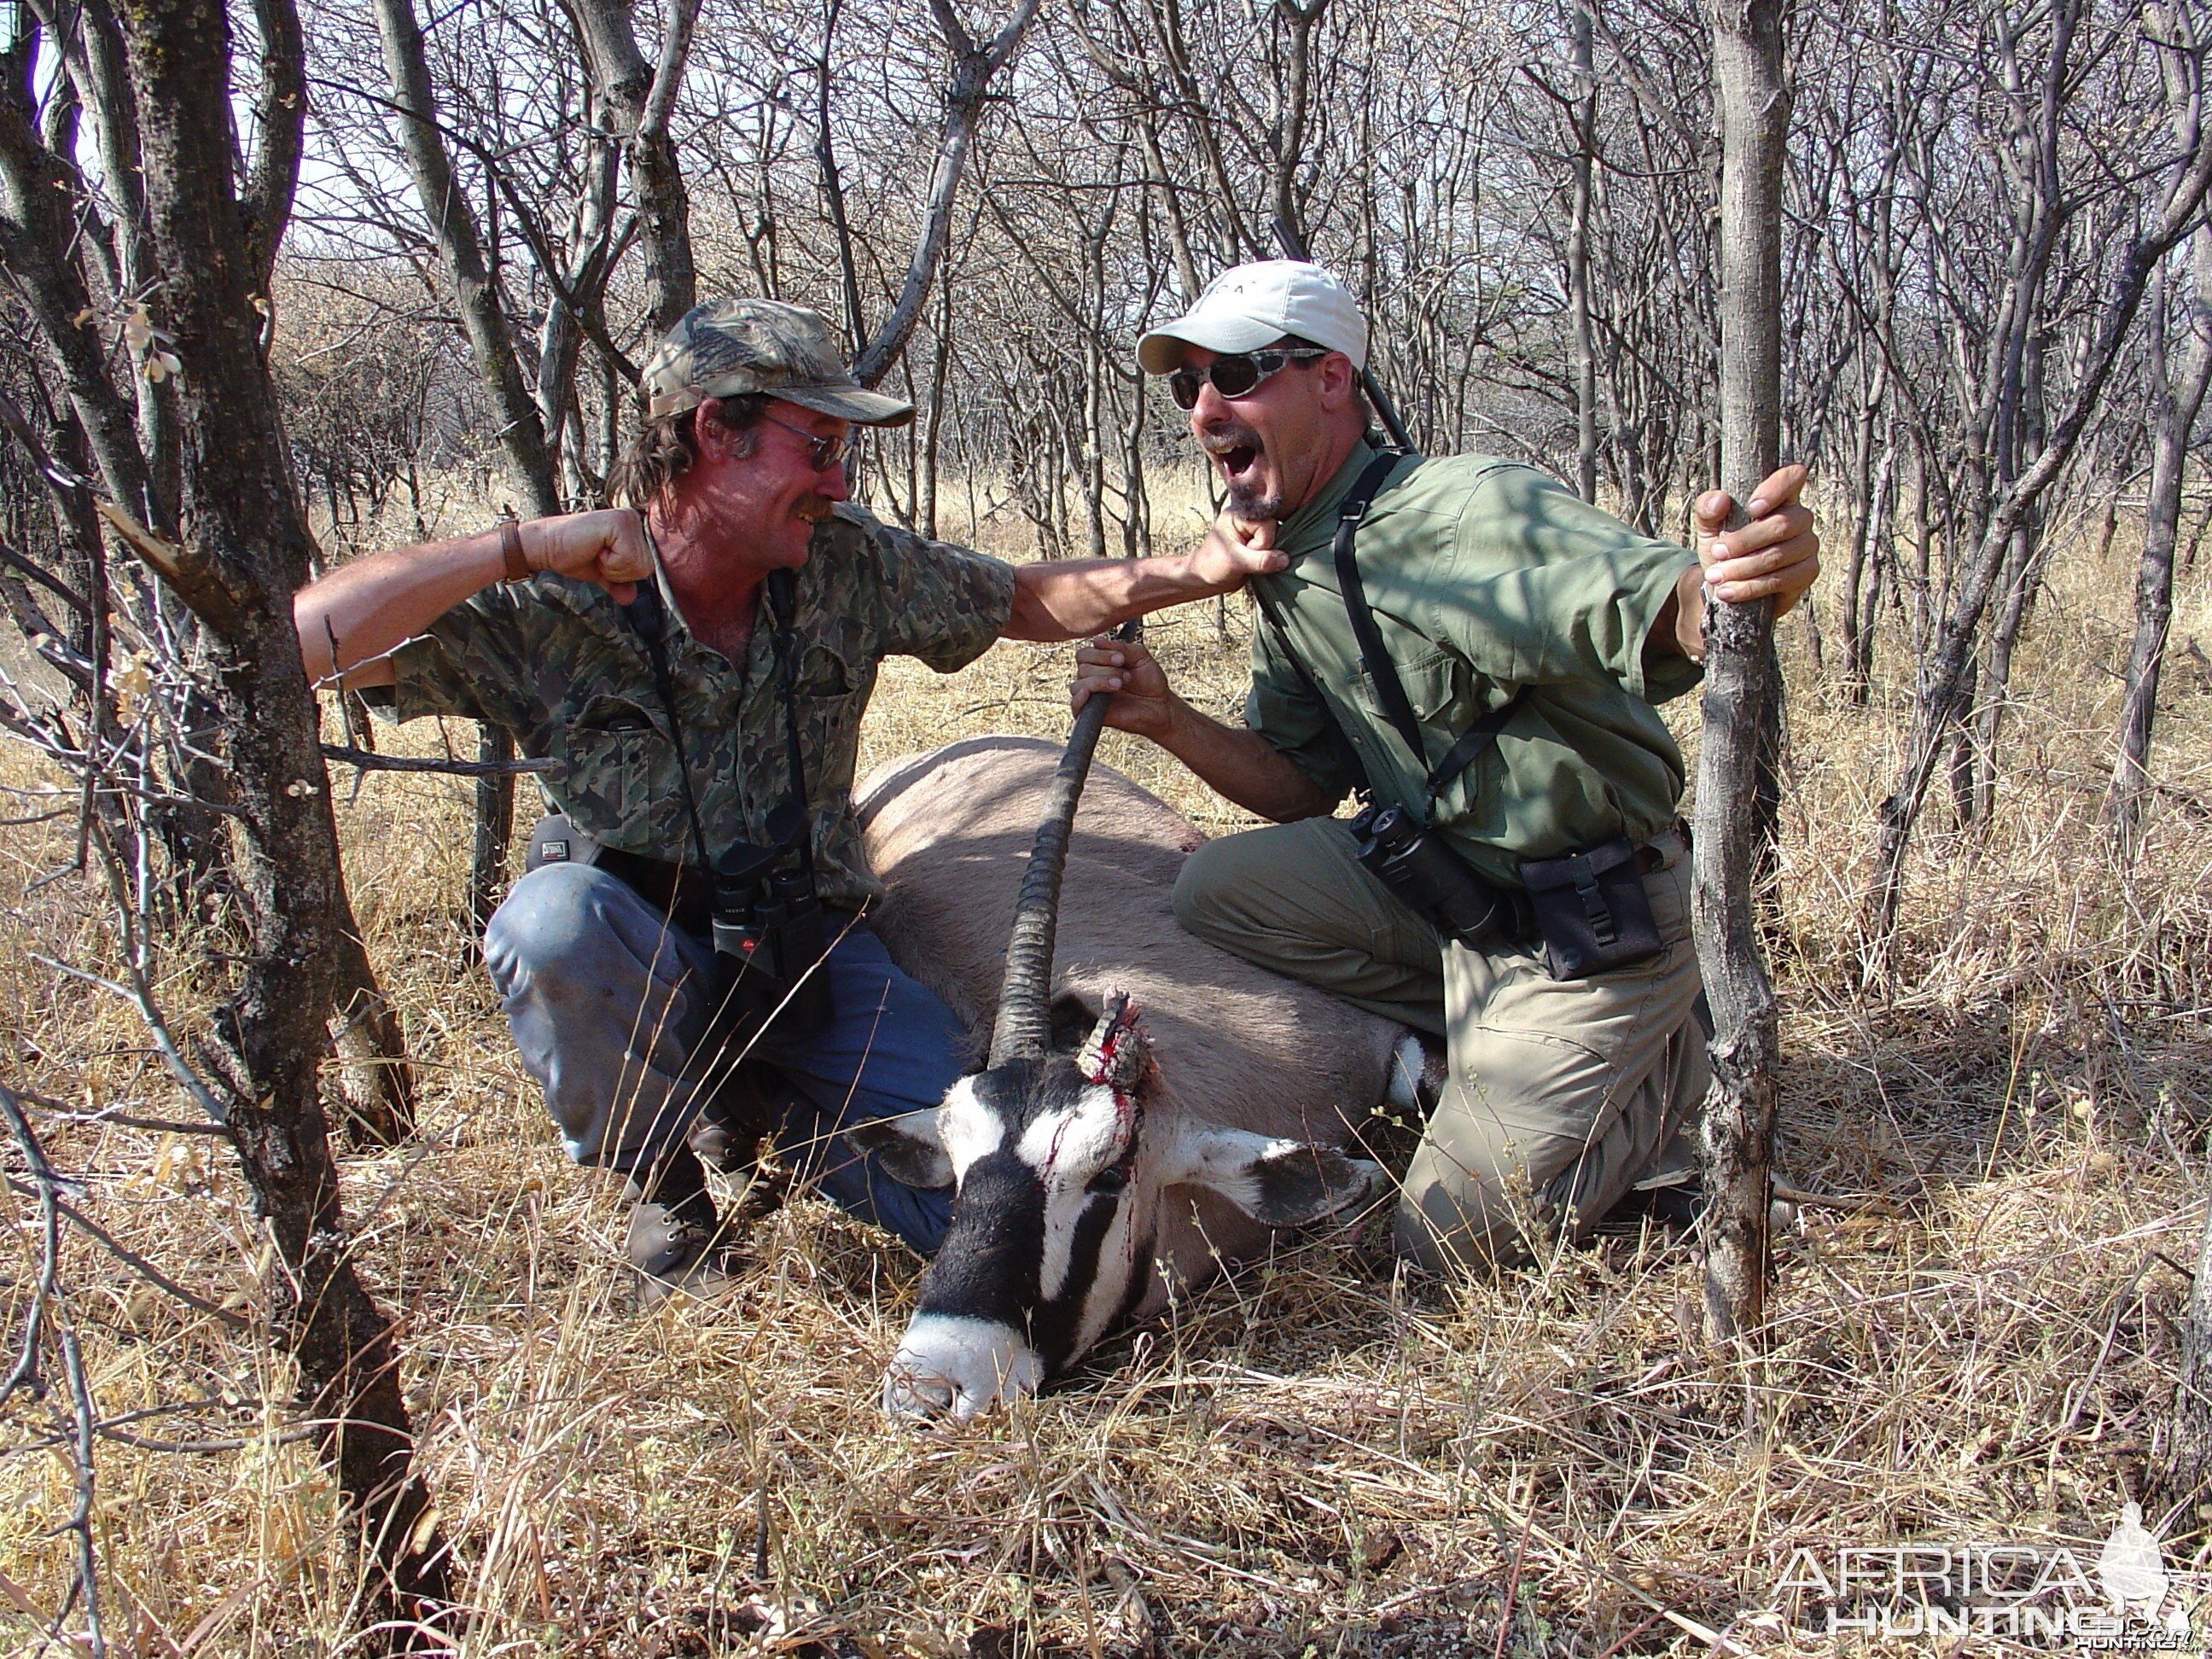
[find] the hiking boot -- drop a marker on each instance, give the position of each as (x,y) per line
(715,1142)
(674,1233)
(737,1115)
(1673,1207)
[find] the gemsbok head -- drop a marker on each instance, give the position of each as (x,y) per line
(1079,1167)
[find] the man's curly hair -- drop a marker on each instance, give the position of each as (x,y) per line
(663,449)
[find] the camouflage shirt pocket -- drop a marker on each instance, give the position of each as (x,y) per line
(618,779)
(825,674)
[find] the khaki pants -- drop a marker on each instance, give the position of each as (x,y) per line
(1561,1097)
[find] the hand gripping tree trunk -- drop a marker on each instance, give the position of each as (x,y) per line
(244,555)
(1743,683)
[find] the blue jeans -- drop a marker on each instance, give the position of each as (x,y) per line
(610,1004)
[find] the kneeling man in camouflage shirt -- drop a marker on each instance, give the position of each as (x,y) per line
(1527,635)
(696,664)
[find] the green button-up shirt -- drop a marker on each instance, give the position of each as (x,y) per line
(1485,576)
(557,664)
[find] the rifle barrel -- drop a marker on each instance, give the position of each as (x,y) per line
(1294,247)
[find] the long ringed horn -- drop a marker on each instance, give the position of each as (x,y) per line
(1024,1027)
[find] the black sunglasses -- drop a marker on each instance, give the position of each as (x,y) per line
(1235,376)
(825,453)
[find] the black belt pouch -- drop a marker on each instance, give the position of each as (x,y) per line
(1592,910)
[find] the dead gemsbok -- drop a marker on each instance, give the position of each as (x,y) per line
(1096,1159)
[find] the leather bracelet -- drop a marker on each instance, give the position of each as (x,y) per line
(510,547)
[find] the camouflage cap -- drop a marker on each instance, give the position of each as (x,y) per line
(730,347)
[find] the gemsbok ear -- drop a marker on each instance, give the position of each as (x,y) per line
(907,1149)
(1282,1183)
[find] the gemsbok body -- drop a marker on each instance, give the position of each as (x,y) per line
(1151,1109)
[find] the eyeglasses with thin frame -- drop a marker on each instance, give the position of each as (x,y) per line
(825,453)
(1235,376)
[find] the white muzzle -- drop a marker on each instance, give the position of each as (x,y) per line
(950,1366)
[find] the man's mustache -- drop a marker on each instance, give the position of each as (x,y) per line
(1221,439)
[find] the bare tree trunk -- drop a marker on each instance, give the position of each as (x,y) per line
(972,68)
(833,187)
(1946,697)
(2023,574)
(2177,398)
(1287,133)
(494,830)
(1137,528)
(483,315)
(645,95)
(376,1080)
(1578,260)
(246,554)
(1881,558)
(1853,602)
(940,364)
(2186,1468)
(1743,687)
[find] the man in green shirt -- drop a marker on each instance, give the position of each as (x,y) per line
(1496,592)
(696,665)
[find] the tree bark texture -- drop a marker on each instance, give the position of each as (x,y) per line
(376,1082)
(452,223)
(2024,566)
(248,540)
(1743,682)
(2180,379)
(36,229)
(494,830)
(1578,259)
(2186,1467)
(645,96)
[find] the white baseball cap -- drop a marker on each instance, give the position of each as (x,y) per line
(1247,307)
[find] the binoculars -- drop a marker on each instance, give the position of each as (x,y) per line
(1412,862)
(770,937)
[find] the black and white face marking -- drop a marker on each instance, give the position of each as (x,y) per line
(1053,1227)
(1048,1242)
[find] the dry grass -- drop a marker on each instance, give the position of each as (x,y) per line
(1976,1341)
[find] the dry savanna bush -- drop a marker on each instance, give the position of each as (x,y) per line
(1976,1318)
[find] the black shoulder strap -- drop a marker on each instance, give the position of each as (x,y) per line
(1372,656)
(781,588)
(650,623)
(1472,742)
(1375,658)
